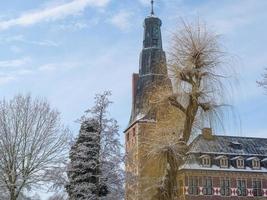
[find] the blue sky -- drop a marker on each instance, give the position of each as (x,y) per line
(68,50)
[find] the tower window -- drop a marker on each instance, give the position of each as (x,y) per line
(155,42)
(133,132)
(207,186)
(127,137)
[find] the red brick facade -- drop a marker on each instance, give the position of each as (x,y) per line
(185,189)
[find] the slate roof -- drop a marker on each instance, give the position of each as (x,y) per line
(230,145)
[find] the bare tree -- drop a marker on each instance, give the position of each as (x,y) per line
(198,67)
(263,82)
(32,140)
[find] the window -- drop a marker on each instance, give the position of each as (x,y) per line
(193,186)
(206,161)
(133,132)
(256,163)
(207,186)
(257,187)
(241,187)
(225,187)
(240,163)
(127,136)
(224,162)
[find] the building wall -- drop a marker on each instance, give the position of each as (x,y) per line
(216,177)
(143,140)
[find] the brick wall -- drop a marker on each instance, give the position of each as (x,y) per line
(216,177)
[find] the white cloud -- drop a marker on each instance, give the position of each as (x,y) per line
(121,20)
(6,79)
(22,39)
(74,25)
(14,63)
(59,66)
(52,13)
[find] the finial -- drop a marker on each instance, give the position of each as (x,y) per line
(152,7)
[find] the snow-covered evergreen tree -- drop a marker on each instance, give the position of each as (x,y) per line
(95,170)
(111,158)
(84,169)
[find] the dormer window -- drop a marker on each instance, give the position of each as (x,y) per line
(206,160)
(240,163)
(256,164)
(224,162)
(264,162)
(236,145)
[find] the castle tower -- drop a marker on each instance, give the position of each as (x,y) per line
(146,118)
(152,67)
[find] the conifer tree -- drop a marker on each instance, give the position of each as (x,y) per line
(84,171)
(95,169)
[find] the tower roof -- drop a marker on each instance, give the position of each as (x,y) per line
(152,67)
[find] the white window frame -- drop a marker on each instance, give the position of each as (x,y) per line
(206,161)
(256,164)
(224,162)
(240,163)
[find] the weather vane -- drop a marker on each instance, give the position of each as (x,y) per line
(152,7)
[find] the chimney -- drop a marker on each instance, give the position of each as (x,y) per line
(135,79)
(207,134)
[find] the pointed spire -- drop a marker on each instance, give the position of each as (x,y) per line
(152,7)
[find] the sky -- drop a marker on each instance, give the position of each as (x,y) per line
(68,50)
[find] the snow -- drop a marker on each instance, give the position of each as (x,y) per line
(195,166)
(252,158)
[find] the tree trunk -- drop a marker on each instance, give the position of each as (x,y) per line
(13,195)
(190,116)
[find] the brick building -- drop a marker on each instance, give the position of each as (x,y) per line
(224,167)
(216,167)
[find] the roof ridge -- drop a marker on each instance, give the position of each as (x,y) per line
(245,137)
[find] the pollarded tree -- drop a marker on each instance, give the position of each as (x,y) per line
(198,67)
(84,171)
(32,140)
